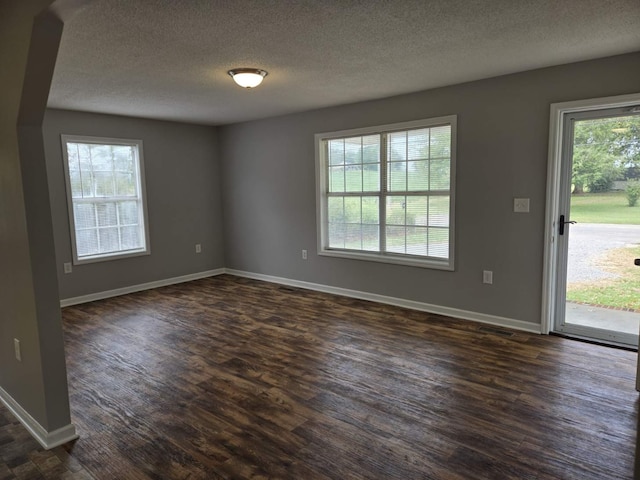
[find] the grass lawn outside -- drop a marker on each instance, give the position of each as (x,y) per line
(608,207)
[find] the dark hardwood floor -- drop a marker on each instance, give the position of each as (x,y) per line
(233,378)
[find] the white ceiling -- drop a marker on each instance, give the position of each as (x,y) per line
(168,59)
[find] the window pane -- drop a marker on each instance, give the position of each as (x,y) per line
(353,150)
(439,211)
(417,211)
(371,238)
(128,212)
(336,152)
(441,141)
(397,146)
(84,156)
(73,157)
(131,238)
(371,149)
(439,242)
(337,232)
(106,214)
(352,210)
(336,210)
(87,184)
(418,176)
(440,175)
(353,240)
(86,242)
(336,179)
(123,159)
(75,181)
(397,173)
(84,215)
(104,184)
(371,177)
(125,184)
(418,144)
(101,158)
(354,178)
(370,210)
(396,210)
(108,240)
(396,240)
(417,240)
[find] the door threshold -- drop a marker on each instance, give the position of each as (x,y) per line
(612,344)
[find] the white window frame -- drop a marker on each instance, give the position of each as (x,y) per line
(142,198)
(322,189)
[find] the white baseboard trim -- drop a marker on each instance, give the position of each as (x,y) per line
(92,297)
(398,302)
(48,440)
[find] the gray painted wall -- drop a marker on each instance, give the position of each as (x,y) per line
(29,308)
(268,186)
(183,200)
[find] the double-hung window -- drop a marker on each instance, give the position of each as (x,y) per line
(387,193)
(106,197)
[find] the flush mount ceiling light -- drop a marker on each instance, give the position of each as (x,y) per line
(248,77)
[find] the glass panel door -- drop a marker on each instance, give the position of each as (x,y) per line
(599,230)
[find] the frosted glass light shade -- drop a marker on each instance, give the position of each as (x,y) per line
(248,77)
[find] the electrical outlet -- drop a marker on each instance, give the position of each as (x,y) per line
(16,347)
(67,267)
(487,277)
(198,248)
(521,205)
(304,254)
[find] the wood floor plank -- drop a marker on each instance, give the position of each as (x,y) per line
(232,378)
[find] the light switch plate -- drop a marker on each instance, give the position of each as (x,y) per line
(521,205)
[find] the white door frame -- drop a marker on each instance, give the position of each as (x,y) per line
(556,127)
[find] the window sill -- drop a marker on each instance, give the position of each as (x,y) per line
(405,260)
(111,256)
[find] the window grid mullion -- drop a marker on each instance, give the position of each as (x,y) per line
(344,165)
(382,203)
(361,178)
(353,194)
(95,210)
(79,170)
(406,163)
(325,206)
(93,176)
(361,239)
(105,199)
(113,172)
(119,226)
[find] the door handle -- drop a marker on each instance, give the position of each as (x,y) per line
(562,223)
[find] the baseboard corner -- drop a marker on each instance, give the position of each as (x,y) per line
(46,439)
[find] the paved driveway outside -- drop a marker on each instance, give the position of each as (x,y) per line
(587,241)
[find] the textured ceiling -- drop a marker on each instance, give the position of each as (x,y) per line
(168,59)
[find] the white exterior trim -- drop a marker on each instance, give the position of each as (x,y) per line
(398,302)
(48,440)
(138,288)
(556,126)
